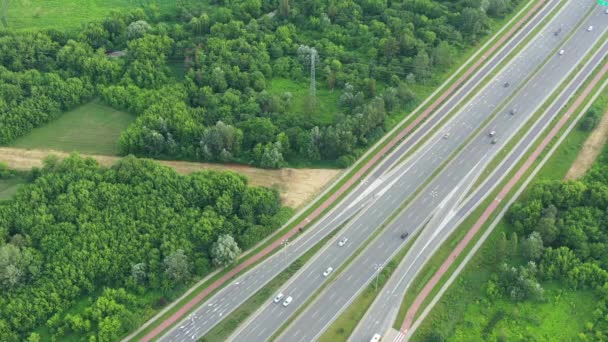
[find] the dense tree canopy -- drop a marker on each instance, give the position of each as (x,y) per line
(566,228)
(111,233)
(223,109)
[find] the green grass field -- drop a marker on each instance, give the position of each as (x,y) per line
(327,101)
(69,14)
(91,128)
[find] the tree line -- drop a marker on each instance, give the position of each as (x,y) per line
(373,52)
(117,241)
(559,230)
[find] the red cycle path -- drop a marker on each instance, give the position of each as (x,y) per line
(277,243)
(409,317)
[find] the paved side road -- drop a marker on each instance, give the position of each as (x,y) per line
(335,297)
(383,311)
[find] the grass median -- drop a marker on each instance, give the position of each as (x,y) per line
(488,78)
(362,162)
(346,323)
(222,331)
(564,154)
(450,308)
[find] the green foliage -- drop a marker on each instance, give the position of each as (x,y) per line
(225,90)
(225,251)
(135,227)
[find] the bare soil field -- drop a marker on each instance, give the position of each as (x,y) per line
(591,149)
(297,186)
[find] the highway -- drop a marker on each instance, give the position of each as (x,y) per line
(229,298)
(407,178)
(383,312)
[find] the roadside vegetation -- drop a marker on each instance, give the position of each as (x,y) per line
(230,107)
(88,251)
(542,272)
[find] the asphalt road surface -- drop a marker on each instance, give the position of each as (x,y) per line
(383,311)
(225,301)
(414,172)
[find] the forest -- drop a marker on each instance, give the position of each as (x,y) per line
(563,226)
(371,53)
(86,250)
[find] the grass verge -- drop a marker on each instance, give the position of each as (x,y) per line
(463,304)
(339,184)
(446,248)
(346,323)
(222,331)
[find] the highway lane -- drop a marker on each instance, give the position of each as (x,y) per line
(383,311)
(338,295)
(321,313)
(308,280)
(228,299)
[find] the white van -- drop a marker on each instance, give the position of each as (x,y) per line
(375,338)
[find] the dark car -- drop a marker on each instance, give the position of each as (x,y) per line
(506,84)
(404,235)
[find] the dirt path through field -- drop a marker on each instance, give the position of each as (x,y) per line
(297,186)
(591,149)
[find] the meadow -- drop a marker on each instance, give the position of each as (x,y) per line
(92,128)
(70,14)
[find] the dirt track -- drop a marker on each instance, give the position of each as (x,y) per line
(296,186)
(591,149)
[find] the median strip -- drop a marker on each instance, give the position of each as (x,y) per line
(326,201)
(407,323)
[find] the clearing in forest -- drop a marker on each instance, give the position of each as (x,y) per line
(296,186)
(91,128)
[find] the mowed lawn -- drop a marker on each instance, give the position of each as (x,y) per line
(91,128)
(70,14)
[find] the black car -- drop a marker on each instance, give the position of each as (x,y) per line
(404,235)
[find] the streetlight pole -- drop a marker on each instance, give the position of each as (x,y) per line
(378,268)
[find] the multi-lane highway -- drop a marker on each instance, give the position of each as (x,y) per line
(512,89)
(215,309)
(383,311)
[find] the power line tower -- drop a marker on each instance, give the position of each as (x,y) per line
(5,4)
(310,56)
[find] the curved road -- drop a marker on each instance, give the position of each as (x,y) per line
(229,298)
(406,179)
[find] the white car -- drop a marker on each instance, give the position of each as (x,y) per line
(342,241)
(447,135)
(287,301)
(606,11)
(279,297)
(590,28)
(561,52)
(328,271)
(492,133)
(375,338)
